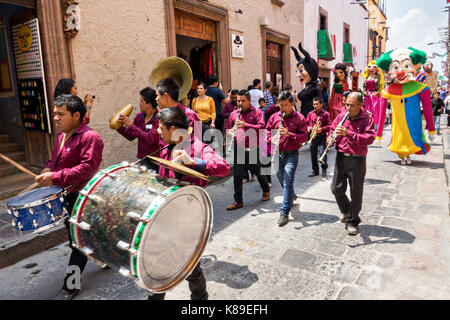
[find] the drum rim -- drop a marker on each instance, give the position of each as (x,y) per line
(197,254)
(37,202)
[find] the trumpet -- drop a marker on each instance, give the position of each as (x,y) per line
(233,131)
(314,132)
(332,139)
(277,137)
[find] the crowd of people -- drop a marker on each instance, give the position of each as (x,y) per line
(265,129)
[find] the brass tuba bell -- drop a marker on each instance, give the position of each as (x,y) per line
(177,69)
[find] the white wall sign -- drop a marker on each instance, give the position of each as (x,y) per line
(237,46)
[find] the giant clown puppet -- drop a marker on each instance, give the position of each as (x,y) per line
(307,73)
(405,95)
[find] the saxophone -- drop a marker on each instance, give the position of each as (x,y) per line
(233,131)
(277,137)
(313,132)
(332,139)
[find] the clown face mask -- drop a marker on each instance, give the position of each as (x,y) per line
(302,74)
(402,64)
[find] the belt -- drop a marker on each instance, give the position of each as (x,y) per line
(351,155)
(284,153)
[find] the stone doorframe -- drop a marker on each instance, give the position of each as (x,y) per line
(284,40)
(206,11)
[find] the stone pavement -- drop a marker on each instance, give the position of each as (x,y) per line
(402,251)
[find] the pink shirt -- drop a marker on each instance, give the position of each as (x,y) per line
(361,133)
(78,160)
(325,123)
(296,125)
(206,161)
(146,133)
(254,121)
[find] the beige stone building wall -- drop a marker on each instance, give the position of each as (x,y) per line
(118,44)
(377,23)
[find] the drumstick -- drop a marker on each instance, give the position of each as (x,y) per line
(18,166)
(31,187)
(151,154)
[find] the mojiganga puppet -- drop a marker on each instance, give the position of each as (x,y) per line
(373,101)
(307,73)
(406,95)
(336,103)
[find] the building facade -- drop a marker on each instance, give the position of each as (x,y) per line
(337,33)
(378,31)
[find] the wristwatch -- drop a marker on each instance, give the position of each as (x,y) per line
(88,108)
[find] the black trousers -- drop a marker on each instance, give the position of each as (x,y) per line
(241,160)
(319,143)
(76,257)
(219,123)
(197,285)
(353,170)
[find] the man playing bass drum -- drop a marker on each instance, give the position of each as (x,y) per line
(353,138)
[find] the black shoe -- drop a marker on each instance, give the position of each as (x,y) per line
(284,219)
(324,172)
(313,174)
(66,295)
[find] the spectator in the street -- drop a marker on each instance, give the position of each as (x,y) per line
(353,138)
(256,93)
(293,132)
(447,107)
(68,86)
(76,157)
(246,148)
(325,96)
(231,105)
(262,104)
(438,106)
(289,88)
(268,97)
(210,164)
(217,94)
(319,143)
(205,108)
(144,126)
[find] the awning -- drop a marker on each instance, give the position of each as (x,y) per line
(324,48)
(348,53)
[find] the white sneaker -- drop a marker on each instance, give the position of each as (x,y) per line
(403,162)
(408,160)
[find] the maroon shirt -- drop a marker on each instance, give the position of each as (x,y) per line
(78,160)
(361,133)
(146,133)
(228,109)
(296,125)
(190,114)
(206,161)
(271,110)
(253,119)
(325,122)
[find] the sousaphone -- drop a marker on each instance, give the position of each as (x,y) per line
(177,69)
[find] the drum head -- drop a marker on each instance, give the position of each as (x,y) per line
(173,242)
(33,196)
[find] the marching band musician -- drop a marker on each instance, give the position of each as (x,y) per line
(201,158)
(292,134)
(320,141)
(76,157)
(246,147)
(353,138)
(144,126)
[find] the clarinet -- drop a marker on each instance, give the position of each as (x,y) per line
(277,138)
(332,139)
(233,131)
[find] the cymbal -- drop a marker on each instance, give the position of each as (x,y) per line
(180,168)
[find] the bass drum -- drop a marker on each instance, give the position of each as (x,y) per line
(149,228)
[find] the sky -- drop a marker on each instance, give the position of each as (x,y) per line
(415,23)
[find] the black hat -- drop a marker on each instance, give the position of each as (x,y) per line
(310,64)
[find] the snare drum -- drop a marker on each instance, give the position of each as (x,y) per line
(38,209)
(149,228)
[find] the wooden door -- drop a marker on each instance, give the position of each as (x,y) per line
(274,63)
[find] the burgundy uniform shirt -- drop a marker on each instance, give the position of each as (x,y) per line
(206,161)
(228,109)
(253,119)
(78,160)
(296,125)
(146,133)
(361,133)
(325,123)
